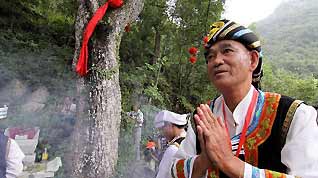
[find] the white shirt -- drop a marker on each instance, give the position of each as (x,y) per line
(14,160)
(299,152)
(235,118)
(166,161)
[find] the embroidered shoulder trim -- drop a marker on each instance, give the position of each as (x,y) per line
(264,128)
(176,144)
(288,119)
(213,172)
(269,173)
(180,168)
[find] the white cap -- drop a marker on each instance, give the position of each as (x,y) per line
(168,116)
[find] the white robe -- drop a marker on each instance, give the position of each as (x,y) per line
(167,159)
(14,160)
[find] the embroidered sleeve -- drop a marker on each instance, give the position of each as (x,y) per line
(254,172)
(182,168)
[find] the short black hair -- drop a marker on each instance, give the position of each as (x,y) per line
(185,126)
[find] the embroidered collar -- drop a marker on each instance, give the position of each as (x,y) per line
(182,135)
(257,114)
(240,111)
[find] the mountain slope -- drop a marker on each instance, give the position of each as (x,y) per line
(289,36)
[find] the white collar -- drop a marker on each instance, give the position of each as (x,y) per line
(239,113)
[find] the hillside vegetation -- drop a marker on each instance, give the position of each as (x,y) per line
(289,36)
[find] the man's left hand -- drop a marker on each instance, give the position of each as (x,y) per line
(217,142)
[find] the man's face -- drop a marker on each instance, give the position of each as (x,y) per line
(229,64)
(166,131)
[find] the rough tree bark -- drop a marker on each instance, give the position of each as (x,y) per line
(156,55)
(95,138)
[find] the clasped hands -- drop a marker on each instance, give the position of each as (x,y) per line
(216,149)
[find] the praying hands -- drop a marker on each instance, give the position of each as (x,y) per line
(215,142)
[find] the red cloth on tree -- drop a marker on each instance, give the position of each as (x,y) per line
(115,3)
(81,66)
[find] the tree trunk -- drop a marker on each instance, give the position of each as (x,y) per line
(95,138)
(156,56)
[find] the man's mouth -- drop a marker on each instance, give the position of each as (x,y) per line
(219,72)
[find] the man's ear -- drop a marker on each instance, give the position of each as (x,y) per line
(254,59)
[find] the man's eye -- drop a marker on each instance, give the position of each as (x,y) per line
(227,50)
(211,57)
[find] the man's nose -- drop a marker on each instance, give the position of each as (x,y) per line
(219,59)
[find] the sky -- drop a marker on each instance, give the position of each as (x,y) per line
(246,12)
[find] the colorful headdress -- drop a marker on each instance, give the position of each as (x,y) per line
(229,30)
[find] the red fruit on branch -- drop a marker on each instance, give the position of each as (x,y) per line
(193,50)
(193,59)
(205,39)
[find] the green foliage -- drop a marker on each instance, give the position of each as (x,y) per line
(290,84)
(289,36)
(126,141)
(44,19)
(36,48)
(36,63)
(168,77)
(152,92)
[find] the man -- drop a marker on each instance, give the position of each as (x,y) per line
(150,154)
(138,116)
(11,158)
(246,132)
(172,126)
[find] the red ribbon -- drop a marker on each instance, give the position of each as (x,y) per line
(81,66)
(248,119)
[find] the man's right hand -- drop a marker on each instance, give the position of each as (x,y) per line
(202,162)
(217,143)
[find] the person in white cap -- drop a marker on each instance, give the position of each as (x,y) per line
(172,126)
